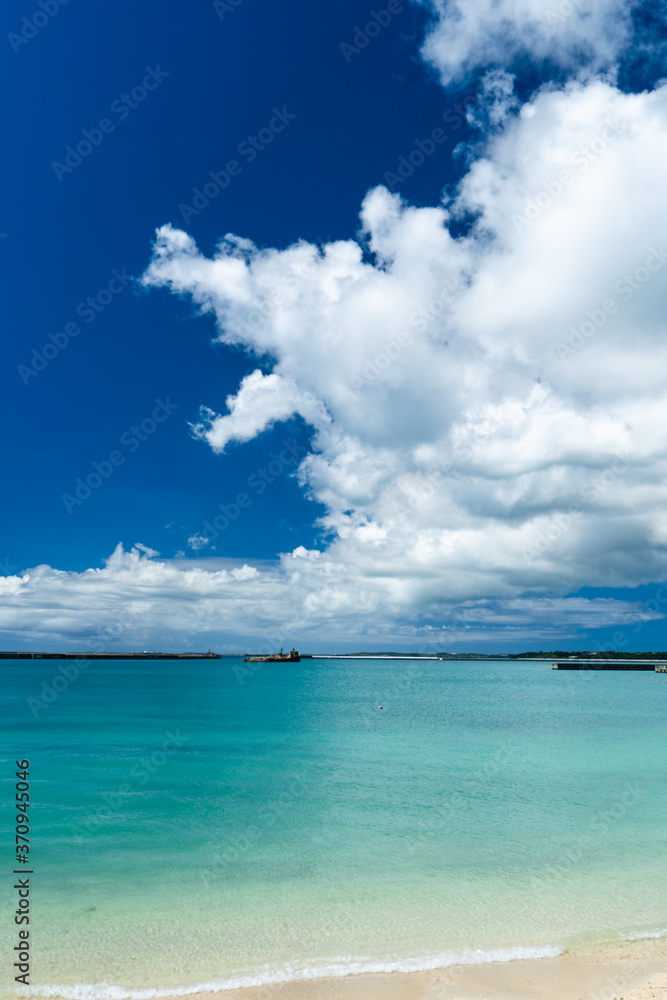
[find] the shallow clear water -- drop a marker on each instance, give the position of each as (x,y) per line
(190,828)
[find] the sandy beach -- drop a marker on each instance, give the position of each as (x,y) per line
(629,970)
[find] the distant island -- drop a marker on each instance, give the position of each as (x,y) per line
(294,657)
(556,654)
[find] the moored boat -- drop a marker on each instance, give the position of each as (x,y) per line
(291,657)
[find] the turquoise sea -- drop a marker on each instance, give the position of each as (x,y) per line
(200,825)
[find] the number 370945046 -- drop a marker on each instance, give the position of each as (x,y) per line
(22,807)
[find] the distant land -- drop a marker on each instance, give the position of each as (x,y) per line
(555,654)
(147,655)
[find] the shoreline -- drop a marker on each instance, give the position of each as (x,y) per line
(606,970)
(609,968)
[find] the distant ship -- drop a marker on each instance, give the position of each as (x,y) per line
(291,657)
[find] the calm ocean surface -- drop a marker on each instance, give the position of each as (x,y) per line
(188,828)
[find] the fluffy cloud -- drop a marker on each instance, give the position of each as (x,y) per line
(197,542)
(307,598)
(260,402)
(582,36)
(487,408)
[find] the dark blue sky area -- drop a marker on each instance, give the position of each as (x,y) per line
(217,77)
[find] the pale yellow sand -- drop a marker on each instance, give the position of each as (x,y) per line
(633,970)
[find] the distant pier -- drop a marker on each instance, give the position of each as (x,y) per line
(651,665)
(108,656)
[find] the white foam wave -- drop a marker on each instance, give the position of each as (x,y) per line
(643,935)
(337,967)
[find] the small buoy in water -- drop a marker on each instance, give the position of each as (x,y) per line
(379,706)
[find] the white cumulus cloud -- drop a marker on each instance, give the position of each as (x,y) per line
(487,408)
(197,542)
(260,402)
(306,598)
(582,36)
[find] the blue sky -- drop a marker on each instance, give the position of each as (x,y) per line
(225,77)
(165,96)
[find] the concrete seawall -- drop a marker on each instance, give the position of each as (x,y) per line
(647,665)
(108,656)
